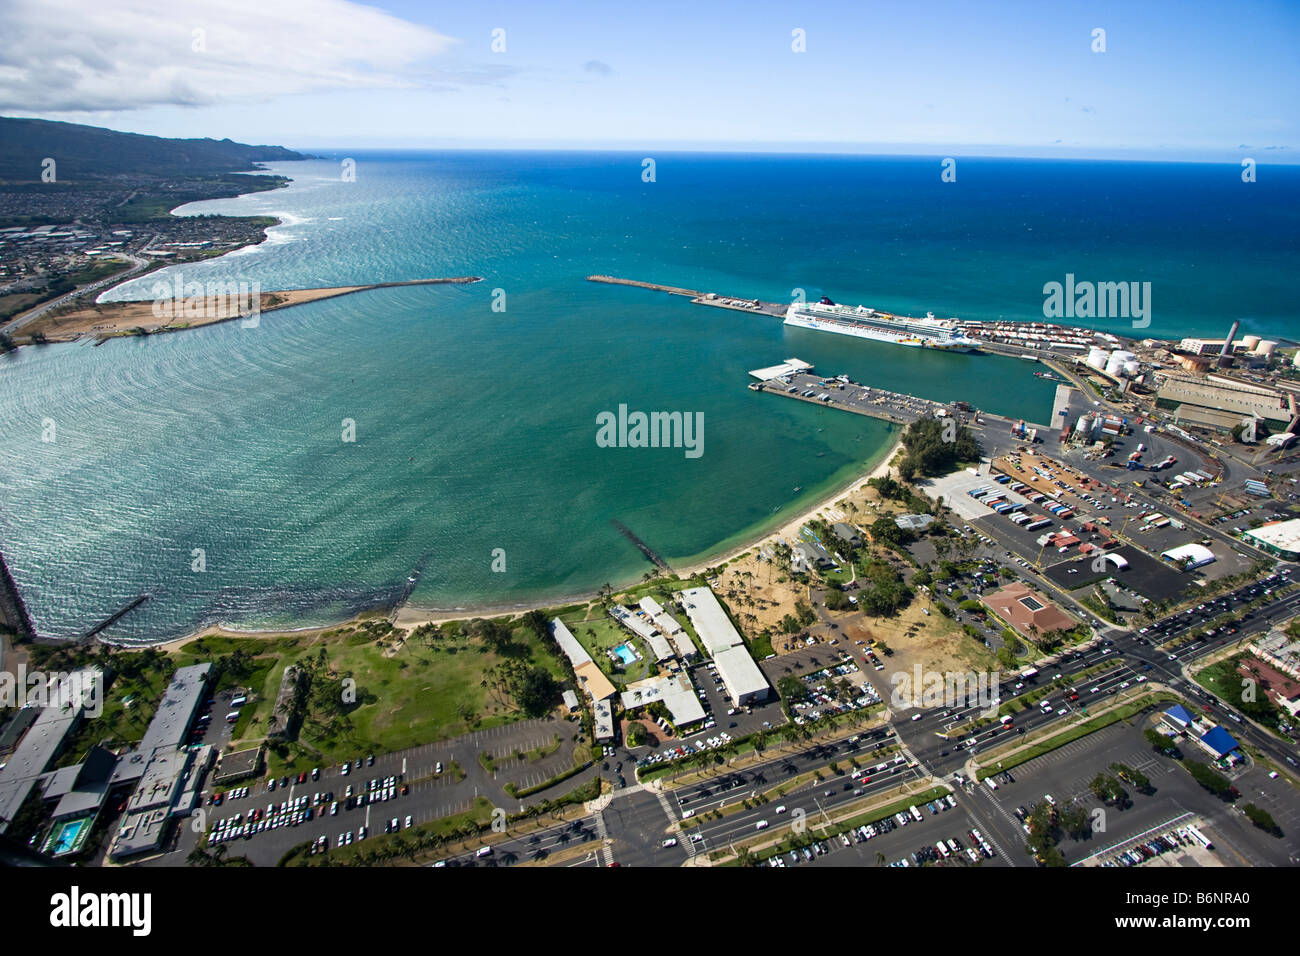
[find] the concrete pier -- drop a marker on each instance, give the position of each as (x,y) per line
(735,303)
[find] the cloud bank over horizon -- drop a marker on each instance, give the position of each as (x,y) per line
(124,56)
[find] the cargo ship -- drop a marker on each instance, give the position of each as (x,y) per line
(866,323)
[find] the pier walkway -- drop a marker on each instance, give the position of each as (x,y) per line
(735,303)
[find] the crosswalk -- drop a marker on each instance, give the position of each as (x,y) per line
(605,853)
(684,838)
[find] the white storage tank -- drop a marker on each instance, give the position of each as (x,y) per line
(1115,364)
(1248,342)
(1097,357)
(1131,369)
(1265,347)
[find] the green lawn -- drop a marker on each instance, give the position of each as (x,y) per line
(1225,681)
(602,633)
(428,690)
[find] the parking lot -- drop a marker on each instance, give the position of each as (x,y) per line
(1150,577)
(723,721)
(890,843)
(1066,772)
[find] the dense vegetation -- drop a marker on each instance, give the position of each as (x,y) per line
(934,447)
(883,592)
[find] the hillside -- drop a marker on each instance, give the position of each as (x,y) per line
(89,152)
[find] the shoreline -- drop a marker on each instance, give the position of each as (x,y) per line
(133,317)
(410,616)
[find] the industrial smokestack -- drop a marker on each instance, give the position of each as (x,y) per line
(1225,354)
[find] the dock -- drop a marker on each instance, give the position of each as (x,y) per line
(849,396)
(842,393)
(735,303)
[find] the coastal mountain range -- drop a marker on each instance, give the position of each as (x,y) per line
(89,152)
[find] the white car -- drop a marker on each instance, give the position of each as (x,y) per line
(760,825)
(671,841)
(781,808)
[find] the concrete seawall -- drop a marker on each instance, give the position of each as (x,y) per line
(734,303)
(13,612)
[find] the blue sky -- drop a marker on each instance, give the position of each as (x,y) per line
(1177,79)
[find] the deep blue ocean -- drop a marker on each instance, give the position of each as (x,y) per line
(475,429)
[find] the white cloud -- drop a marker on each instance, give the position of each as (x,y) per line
(81,55)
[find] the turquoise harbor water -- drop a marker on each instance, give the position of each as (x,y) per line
(475,429)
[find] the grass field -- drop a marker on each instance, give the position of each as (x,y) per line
(428,689)
(598,633)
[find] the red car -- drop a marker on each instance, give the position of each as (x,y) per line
(302,777)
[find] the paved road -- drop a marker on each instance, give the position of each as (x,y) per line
(138,265)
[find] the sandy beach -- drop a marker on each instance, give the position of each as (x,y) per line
(106,319)
(791,527)
(410,616)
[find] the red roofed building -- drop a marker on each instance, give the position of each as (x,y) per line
(1029,612)
(1283,688)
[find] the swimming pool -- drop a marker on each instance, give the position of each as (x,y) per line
(625,654)
(66,837)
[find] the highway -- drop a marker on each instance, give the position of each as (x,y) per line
(138,265)
(632,828)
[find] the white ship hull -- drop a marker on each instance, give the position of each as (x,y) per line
(914,338)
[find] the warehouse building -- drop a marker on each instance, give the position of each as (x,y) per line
(744,681)
(1281,538)
(44,740)
(1225,396)
(1189,557)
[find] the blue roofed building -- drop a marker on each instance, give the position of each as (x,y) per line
(1220,743)
(1179,716)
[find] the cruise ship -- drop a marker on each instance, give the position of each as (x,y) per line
(928,333)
